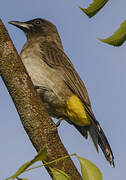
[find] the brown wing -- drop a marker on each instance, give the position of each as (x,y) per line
(56,58)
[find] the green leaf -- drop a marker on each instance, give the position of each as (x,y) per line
(94,7)
(20,170)
(89,170)
(118,38)
(21,178)
(39,157)
(59,175)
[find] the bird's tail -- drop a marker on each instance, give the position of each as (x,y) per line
(98,138)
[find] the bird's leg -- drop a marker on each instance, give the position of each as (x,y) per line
(59,121)
(36,87)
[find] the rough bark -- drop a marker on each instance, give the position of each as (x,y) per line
(35,120)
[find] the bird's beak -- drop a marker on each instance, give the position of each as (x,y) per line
(21,25)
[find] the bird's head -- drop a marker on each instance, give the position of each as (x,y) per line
(36,27)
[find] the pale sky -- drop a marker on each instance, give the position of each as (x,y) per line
(102,68)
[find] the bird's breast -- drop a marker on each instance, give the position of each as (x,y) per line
(52,88)
(40,73)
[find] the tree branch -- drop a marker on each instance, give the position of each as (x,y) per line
(35,120)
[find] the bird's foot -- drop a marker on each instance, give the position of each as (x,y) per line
(58,122)
(36,87)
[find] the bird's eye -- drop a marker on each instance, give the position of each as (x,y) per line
(37,22)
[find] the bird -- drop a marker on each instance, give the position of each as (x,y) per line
(58,84)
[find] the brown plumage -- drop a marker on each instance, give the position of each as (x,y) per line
(56,78)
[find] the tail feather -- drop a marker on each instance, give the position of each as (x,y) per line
(93,137)
(82,130)
(98,138)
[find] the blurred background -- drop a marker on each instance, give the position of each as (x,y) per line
(102,68)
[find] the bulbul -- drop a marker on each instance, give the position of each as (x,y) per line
(60,87)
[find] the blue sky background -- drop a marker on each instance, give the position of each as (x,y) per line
(102,68)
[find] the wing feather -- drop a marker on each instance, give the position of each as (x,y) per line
(56,58)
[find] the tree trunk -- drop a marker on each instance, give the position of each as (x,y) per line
(35,120)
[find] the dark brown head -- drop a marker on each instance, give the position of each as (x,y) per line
(39,28)
(36,27)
